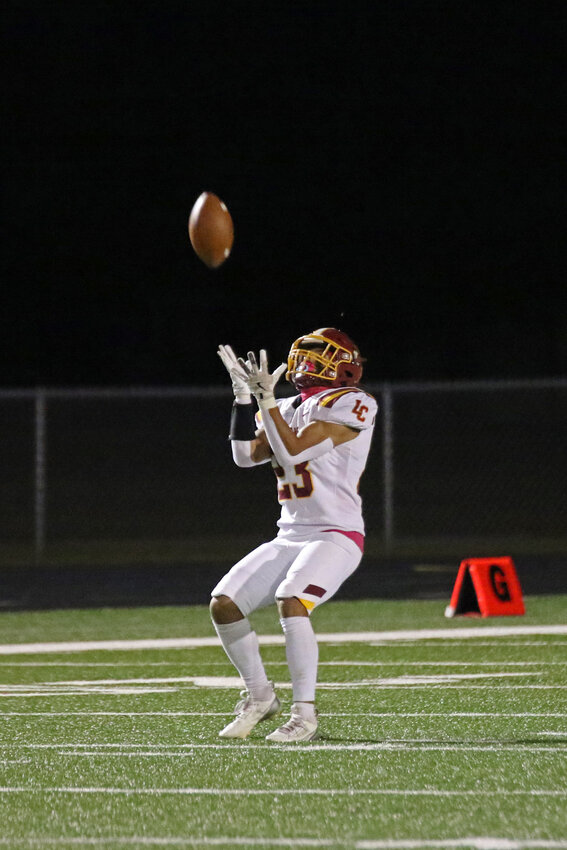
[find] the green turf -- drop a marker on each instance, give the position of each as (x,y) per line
(408,752)
(360,615)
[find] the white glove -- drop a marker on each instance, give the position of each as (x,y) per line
(259,381)
(238,374)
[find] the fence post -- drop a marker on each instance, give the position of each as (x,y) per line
(388,473)
(39,475)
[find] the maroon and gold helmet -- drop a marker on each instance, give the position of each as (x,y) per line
(326,357)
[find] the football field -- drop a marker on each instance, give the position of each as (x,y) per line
(434,733)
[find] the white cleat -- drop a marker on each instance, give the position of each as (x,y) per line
(249,712)
(297,728)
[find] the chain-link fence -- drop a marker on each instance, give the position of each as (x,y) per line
(146,476)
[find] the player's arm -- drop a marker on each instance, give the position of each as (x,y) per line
(311,442)
(315,439)
(261,450)
(249,446)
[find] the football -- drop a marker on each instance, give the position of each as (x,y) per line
(211,230)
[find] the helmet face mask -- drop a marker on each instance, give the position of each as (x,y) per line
(326,357)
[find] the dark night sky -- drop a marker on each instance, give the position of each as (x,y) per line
(397,169)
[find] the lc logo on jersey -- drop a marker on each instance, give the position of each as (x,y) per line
(360,410)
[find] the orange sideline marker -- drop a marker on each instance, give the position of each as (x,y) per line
(486,587)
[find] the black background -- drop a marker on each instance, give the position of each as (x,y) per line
(393,168)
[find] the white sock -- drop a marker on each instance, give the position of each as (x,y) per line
(306,710)
(241,645)
(302,653)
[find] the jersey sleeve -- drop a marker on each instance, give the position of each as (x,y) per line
(352,407)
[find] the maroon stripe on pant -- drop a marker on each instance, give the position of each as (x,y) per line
(313,590)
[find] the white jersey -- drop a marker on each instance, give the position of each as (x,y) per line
(323,493)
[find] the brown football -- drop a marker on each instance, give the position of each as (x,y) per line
(211,230)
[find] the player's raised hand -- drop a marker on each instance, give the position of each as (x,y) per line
(238,374)
(259,380)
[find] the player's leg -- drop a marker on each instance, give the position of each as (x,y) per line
(240,643)
(315,576)
(249,585)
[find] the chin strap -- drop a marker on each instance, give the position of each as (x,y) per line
(309,391)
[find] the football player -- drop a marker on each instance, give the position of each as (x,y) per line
(317,443)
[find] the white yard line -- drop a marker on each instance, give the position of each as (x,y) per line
(164,715)
(235,681)
(277,792)
(278,639)
(455,644)
(145,664)
(186,749)
(145,841)
(481,747)
(353,663)
(474,843)
(16,693)
(433,663)
(20,691)
(79,687)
